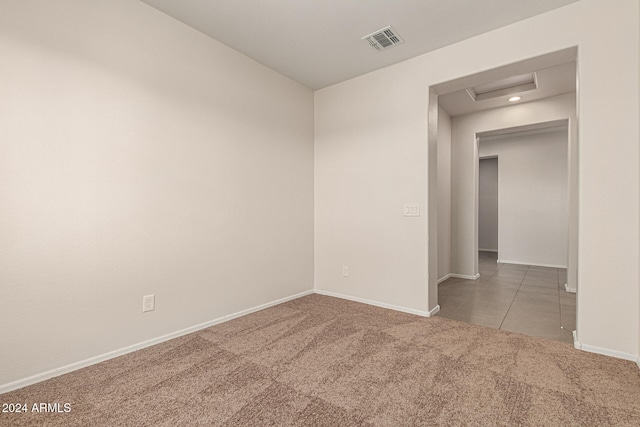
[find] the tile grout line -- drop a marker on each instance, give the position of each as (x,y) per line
(514,298)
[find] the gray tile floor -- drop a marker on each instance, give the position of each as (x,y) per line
(519,298)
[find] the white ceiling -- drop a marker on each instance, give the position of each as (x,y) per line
(318,42)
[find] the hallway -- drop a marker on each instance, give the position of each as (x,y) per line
(519,298)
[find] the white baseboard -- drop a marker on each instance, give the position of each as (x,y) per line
(434,311)
(442,279)
(487,250)
(604,351)
(638,361)
(5,388)
(464,276)
(507,261)
(568,289)
(379,304)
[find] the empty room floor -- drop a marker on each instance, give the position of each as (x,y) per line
(519,298)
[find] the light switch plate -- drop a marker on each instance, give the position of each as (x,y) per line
(148,303)
(411,210)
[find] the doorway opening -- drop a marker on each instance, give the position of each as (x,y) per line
(460,130)
(488,213)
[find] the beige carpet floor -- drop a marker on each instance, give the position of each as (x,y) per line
(321,361)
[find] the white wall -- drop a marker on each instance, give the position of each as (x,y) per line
(533,204)
(138,156)
(444,193)
(368,165)
(371,160)
(488,205)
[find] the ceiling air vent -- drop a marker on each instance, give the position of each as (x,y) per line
(383,39)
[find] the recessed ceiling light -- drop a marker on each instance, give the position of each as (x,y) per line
(514,99)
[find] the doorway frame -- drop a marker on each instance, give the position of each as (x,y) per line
(433,91)
(565,124)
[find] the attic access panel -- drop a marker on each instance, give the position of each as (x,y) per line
(504,87)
